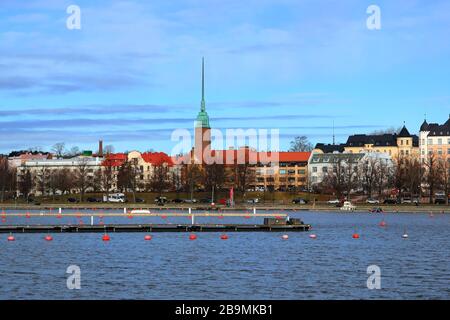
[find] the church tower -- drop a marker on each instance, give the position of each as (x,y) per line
(202,128)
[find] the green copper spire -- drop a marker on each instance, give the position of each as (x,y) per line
(202,117)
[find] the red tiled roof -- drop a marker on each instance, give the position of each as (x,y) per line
(293,156)
(157,158)
(114,159)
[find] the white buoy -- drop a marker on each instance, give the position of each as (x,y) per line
(312,236)
(404,236)
(284,237)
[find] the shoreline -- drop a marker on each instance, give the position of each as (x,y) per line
(363,208)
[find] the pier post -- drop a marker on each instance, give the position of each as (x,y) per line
(192,219)
(59,210)
(190,211)
(254,210)
(125,210)
(92,220)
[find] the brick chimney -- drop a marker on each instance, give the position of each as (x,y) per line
(100,148)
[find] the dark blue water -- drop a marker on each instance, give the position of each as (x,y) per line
(246,266)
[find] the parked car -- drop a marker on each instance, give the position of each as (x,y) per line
(255,200)
(390,201)
(177,200)
(372,201)
(205,200)
(406,200)
(160,199)
(140,200)
(299,201)
(91,199)
(190,200)
(439,201)
(333,201)
(72,200)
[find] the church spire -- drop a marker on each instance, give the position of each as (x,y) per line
(203,86)
(202,117)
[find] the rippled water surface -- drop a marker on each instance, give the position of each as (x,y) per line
(248,265)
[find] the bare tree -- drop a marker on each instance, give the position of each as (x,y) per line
(25,184)
(301,143)
(160,178)
(214,177)
(107,176)
(384,176)
(65,180)
(82,180)
(41,180)
(7,178)
(192,177)
(59,149)
(244,175)
(431,174)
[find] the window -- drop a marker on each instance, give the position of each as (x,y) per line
(401,142)
(282,171)
(302,171)
(324,169)
(440,141)
(430,141)
(314,169)
(439,151)
(448,151)
(407,142)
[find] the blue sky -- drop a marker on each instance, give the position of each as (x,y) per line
(131,75)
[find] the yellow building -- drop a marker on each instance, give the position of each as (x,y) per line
(395,145)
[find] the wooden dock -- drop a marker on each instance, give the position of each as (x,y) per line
(152,228)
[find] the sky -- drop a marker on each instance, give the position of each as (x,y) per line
(132,74)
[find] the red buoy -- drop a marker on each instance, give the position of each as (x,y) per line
(27,215)
(59,216)
(11,238)
(106,237)
(355,236)
(130,216)
(247,217)
(224,237)
(48,238)
(78,215)
(148,237)
(220,217)
(382,224)
(164,216)
(192,237)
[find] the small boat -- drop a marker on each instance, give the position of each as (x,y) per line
(348,206)
(140,211)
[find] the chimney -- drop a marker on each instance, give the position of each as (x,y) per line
(100,148)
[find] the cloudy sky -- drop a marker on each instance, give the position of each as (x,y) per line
(131,75)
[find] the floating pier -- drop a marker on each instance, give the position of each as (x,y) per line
(153,228)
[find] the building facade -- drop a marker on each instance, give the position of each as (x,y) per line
(434,140)
(395,145)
